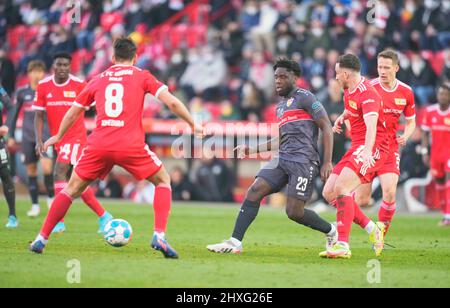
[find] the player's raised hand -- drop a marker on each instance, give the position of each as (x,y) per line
(337,128)
(199,131)
(50,142)
(4,130)
(242,151)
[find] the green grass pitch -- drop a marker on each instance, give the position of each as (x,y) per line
(278,253)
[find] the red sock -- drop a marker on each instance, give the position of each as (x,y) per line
(360,218)
(386,213)
(440,191)
(447,205)
(345,216)
(59,187)
(59,208)
(89,198)
(161,205)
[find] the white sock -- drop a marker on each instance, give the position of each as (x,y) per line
(160,235)
(42,239)
(370,227)
(333,230)
(235,242)
(447,216)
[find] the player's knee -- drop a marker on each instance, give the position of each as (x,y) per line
(32,170)
(256,192)
(389,195)
(295,213)
(362,200)
(60,173)
(328,194)
(162,178)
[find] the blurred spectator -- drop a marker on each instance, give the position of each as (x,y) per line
(446,70)
(263,34)
(205,74)
(215,178)
(182,188)
(7,73)
(261,74)
(109,188)
(422,79)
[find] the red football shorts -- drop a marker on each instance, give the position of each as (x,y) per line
(440,166)
(351,160)
(392,164)
(69,152)
(96,164)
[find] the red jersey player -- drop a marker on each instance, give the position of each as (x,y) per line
(436,123)
(119,139)
(54,96)
(398,99)
(368,153)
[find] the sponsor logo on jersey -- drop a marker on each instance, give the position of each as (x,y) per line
(353,104)
(290,102)
(70,94)
(400,102)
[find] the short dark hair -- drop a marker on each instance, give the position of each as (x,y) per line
(350,61)
(445,85)
(290,65)
(62,55)
(36,65)
(124,49)
(389,54)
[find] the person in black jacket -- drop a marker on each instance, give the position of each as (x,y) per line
(5,173)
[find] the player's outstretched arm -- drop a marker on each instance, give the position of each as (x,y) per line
(180,110)
(328,142)
(410,127)
(69,120)
(244,151)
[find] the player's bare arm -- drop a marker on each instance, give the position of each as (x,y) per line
(425,146)
(39,127)
(69,120)
(337,128)
(327,131)
(409,131)
(4,131)
(371,121)
(244,151)
(180,110)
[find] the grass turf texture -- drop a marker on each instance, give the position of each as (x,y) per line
(278,253)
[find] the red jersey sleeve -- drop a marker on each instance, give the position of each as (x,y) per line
(87,96)
(40,102)
(410,110)
(370,103)
(426,120)
(152,85)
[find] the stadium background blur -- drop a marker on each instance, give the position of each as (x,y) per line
(217,57)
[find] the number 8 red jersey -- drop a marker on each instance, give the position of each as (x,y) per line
(119,95)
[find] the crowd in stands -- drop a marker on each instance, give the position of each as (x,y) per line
(221,66)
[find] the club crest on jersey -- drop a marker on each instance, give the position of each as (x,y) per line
(290,102)
(70,94)
(353,104)
(400,102)
(447,121)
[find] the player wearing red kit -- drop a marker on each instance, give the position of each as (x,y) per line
(118,139)
(436,122)
(368,153)
(398,100)
(54,97)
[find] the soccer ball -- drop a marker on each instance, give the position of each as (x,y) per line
(118,233)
